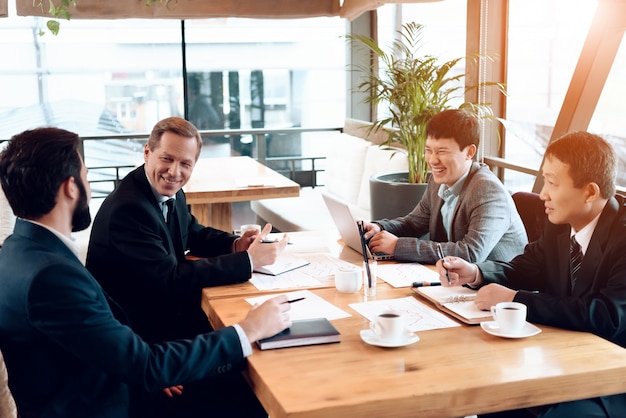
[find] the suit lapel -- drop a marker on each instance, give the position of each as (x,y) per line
(595,250)
(563,260)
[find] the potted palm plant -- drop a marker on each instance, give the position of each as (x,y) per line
(415,87)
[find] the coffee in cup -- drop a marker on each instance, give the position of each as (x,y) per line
(510,316)
(389,326)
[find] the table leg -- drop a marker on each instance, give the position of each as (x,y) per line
(216,215)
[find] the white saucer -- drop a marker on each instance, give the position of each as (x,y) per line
(370,338)
(491,327)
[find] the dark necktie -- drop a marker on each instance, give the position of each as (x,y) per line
(575,260)
(170,210)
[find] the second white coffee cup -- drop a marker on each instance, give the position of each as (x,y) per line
(249,227)
(348,279)
(389,326)
(510,316)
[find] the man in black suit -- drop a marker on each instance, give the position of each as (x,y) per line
(66,353)
(560,289)
(139,257)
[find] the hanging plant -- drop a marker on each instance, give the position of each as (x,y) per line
(60,9)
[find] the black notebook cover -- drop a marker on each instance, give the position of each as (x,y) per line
(302,332)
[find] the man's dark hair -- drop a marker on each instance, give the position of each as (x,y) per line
(590,158)
(458,124)
(34,165)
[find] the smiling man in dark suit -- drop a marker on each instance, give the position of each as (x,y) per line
(66,353)
(137,250)
(574,277)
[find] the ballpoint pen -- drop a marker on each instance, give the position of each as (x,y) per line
(420,284)
(364,249)
(441,256)
(295,300)
(272,241)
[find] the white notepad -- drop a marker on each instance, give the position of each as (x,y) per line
(284,263)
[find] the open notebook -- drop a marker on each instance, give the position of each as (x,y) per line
(455,301)
(284,263)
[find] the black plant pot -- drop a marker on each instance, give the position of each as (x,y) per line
(391,195)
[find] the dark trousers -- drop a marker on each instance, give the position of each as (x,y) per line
(228,396)
(604,407)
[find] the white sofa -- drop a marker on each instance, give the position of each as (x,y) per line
(351,159)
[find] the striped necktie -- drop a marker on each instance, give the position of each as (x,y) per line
(575,260)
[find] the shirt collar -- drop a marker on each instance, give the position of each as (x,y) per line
(455,190)
(69,242)
(583,237)
(159,197)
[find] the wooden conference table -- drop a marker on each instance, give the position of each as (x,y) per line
(217,182)
(450,372)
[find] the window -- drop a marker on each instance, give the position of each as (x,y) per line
(107,77)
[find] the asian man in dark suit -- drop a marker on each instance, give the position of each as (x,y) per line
(66,353)
(573,277)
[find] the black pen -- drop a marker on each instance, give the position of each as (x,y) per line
(420,284)
(269,241)
(294,300)
(441,256)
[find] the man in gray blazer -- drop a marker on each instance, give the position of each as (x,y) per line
(465,207)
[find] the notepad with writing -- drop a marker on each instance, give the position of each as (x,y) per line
(302,332)
(283,264)
(456,301)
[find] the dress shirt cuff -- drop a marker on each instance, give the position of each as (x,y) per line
(477,280)
(249,257)
(246,348)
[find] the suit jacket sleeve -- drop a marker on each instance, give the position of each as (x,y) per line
(485,223)
(541,274)
(67,306)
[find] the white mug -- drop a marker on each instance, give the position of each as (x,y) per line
(249,227)
(348,279)
(389,326)
(510,316)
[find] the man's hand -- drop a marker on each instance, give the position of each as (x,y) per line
(264,253)
(383,242)
(173,390)
(492,294)
(267,319)
(371,229)
(460,271)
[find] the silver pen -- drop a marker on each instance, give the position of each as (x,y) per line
(441,256)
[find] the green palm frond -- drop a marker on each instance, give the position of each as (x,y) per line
(415,87)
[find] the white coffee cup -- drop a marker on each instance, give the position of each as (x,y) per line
(388,326)
(510,316)
(348,279)
(249,227)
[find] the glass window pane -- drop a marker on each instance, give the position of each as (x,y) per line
(545,40)
(608,119)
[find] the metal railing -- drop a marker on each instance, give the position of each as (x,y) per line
(304,170)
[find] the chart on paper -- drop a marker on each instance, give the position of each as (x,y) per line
(404,274)
(419,316)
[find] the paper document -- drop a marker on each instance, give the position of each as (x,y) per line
(419,316)
(312,306)
(283,264)
(321,266)
(404,274)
